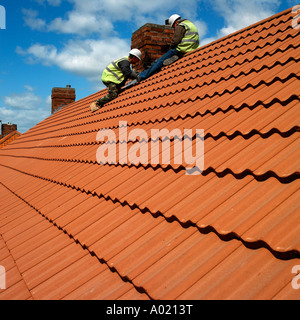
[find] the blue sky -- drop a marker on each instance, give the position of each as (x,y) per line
(54,43)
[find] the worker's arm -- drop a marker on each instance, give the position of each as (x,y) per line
(125,67)
(178,35)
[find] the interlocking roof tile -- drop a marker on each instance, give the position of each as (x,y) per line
(74,228)
(9,138)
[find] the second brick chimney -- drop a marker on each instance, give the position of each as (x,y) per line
(153,40)
(7,129)
(61,97)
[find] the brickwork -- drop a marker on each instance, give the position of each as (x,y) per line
(7,129)
(61,97)
(153,40)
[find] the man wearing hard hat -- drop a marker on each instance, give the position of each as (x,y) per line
(115,75)
(185,39)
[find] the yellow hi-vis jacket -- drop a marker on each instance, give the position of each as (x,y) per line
(191,39)
(113,73)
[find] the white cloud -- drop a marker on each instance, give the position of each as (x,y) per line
(100,16)
(24,109)
(6,113)
(39,53)
(89,57)
(124,10)
(202,29)
(48,102)
(81,23)
(31,19)
(239,14)
(24,119)
(86,58)
(29,88)
(27,100)
(54,3)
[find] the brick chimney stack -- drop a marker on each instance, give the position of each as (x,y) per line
(61,97)
(7,129)
(153,40)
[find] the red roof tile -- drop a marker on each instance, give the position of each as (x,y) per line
(72,228)
(9,138)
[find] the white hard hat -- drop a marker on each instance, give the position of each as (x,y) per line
(173,18)
(137,53)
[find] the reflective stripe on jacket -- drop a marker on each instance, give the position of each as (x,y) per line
(113,73)
(191,39)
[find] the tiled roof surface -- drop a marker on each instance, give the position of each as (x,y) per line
(72,228)
(9,138)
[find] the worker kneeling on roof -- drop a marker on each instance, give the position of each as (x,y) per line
(115,75)
(185,39)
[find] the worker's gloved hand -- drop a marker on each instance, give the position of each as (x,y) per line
(135,74)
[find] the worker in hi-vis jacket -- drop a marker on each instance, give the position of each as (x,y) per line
(185,39)
(115,75)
